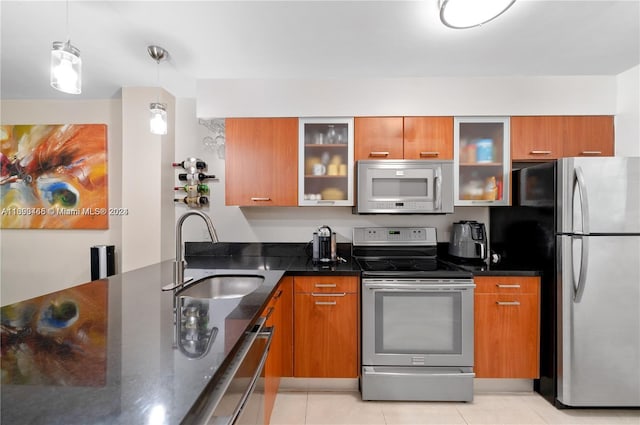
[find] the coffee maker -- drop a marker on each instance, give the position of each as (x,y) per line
(324,246)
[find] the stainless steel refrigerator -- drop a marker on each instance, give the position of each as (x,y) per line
(579,219)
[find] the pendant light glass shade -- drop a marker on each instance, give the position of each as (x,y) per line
(158,121)
(66,68)
(462,14)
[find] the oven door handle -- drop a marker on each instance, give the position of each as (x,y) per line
(421,288)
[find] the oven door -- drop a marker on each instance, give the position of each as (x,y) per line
(417,322)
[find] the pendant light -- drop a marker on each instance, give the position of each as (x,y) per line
(158,120)
(461,14)
(66,65)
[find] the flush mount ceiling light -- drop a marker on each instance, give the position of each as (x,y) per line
(461,14)
(158,120)
(66,65)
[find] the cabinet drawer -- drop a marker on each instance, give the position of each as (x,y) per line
(325,284)
(506,284)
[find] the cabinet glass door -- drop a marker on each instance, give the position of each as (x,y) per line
(482,161)
(326,162)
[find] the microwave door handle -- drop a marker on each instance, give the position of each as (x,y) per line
(438,189)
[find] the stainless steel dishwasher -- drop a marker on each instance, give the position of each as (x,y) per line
(238,396)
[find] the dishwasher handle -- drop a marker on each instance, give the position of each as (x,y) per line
(268,334)
(205,406)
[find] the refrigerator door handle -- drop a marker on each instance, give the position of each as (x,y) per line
(584,204)
(582,278)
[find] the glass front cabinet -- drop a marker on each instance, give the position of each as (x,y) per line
(326,162)
(482,161)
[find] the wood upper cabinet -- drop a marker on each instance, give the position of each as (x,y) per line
(326,326)
(507,327)
(536,138)
(552,137)
(261,161)
(403,138)
(428,137)
(378,138)
(280,359)
(589,136)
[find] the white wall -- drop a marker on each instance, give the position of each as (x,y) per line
(38,261)
(425,96)
(628,113)
(147,174)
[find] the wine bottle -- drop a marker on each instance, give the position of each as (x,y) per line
(199,188)
(193,200)
(194,176)
(191,163)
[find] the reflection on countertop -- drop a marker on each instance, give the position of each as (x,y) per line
(106,352)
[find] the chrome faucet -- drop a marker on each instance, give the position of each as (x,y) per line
(179,264)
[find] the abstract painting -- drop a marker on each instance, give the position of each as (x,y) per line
(57,339)
(53,176)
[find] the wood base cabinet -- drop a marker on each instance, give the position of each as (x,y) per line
(507,327)
(326,326)
(280,359)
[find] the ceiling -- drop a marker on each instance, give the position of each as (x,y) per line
(306,39)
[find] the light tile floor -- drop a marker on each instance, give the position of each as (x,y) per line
(347,408)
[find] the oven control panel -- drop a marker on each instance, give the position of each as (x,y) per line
(394,236)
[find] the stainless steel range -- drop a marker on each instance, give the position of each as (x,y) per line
(417,318)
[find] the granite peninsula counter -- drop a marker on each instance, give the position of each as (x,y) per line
(105,352)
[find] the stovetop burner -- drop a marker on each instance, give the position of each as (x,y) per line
(398,264)
(400,252)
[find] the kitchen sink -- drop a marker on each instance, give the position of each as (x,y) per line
(222,286)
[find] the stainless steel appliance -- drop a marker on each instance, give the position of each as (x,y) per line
(417,318)
(324,246)
(239,396)
(579,222)
(468,240)
(404,186)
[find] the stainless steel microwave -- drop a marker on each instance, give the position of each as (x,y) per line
(387,186)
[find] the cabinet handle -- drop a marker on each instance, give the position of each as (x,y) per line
(378,153)
(322,201)
(540,152)
(260,199)
(277,295)
(315,294)
(591,152)
(269,313)
(429,153)
(508,302)
(326,303)
(502,285)
(325,285)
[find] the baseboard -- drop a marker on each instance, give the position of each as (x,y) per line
(319,384)
(492,385)
(480,385)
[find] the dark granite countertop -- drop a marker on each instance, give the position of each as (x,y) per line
(295,258)
(107,352)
